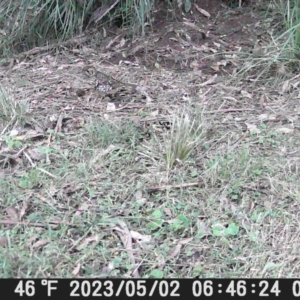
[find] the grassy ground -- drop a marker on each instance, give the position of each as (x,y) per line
(211,192)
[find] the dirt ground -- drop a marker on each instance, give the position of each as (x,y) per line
(192,61)
(175,61)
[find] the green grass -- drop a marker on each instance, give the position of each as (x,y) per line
(226,226)
(29,23)
(197,198)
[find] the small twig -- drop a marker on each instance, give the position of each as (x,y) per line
(237,142)
(11,222)
(48,173)
(59,123)
(36,50)
(29,159)
(175,186)
(228,110)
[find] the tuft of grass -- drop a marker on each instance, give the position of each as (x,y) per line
(134,15)
(291,12)
(279,55)
(186,134)
(11,110)
(29,23)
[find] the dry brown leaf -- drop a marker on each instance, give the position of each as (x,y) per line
(13,213)
(140,237)
(202,11)
(126,238)
(285,86)
(71,188)
(110,106)
(84,206)
(262,100)
(246,94)
(252,128)
(36,154)
(102,153)
(215,67)
(252,205)
(168,212)
(3,241)
(175,252)
(40,243)
(107,269)
(195,65)
(185,241)
(30,134)
(178,247)
(139,197)
(24,207)
(284,130)
(14,132)
(203,228)
(76,270)
(87,241)
(3,173)
(120,44)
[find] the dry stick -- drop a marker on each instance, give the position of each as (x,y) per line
(237,142)
(37,50)
(175,186)
(228,110)
(11,222)
(126,239)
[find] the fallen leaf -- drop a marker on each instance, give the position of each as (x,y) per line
(12,213)
(140,237)
(3,241)
(246,94)
(87,241)
(285,86)
(3,173)
(83,207)
(252,128)
(139,197)
(154,113)
(185,241)
(111,106)
(36,154)
(168,212)
(40,243)
(178,247)
(194,65)
(76,270)
(175,252)
(107,269)
(202,11)
(24,207)
(262,100)
(215,67)
(14,132)
(285,130)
